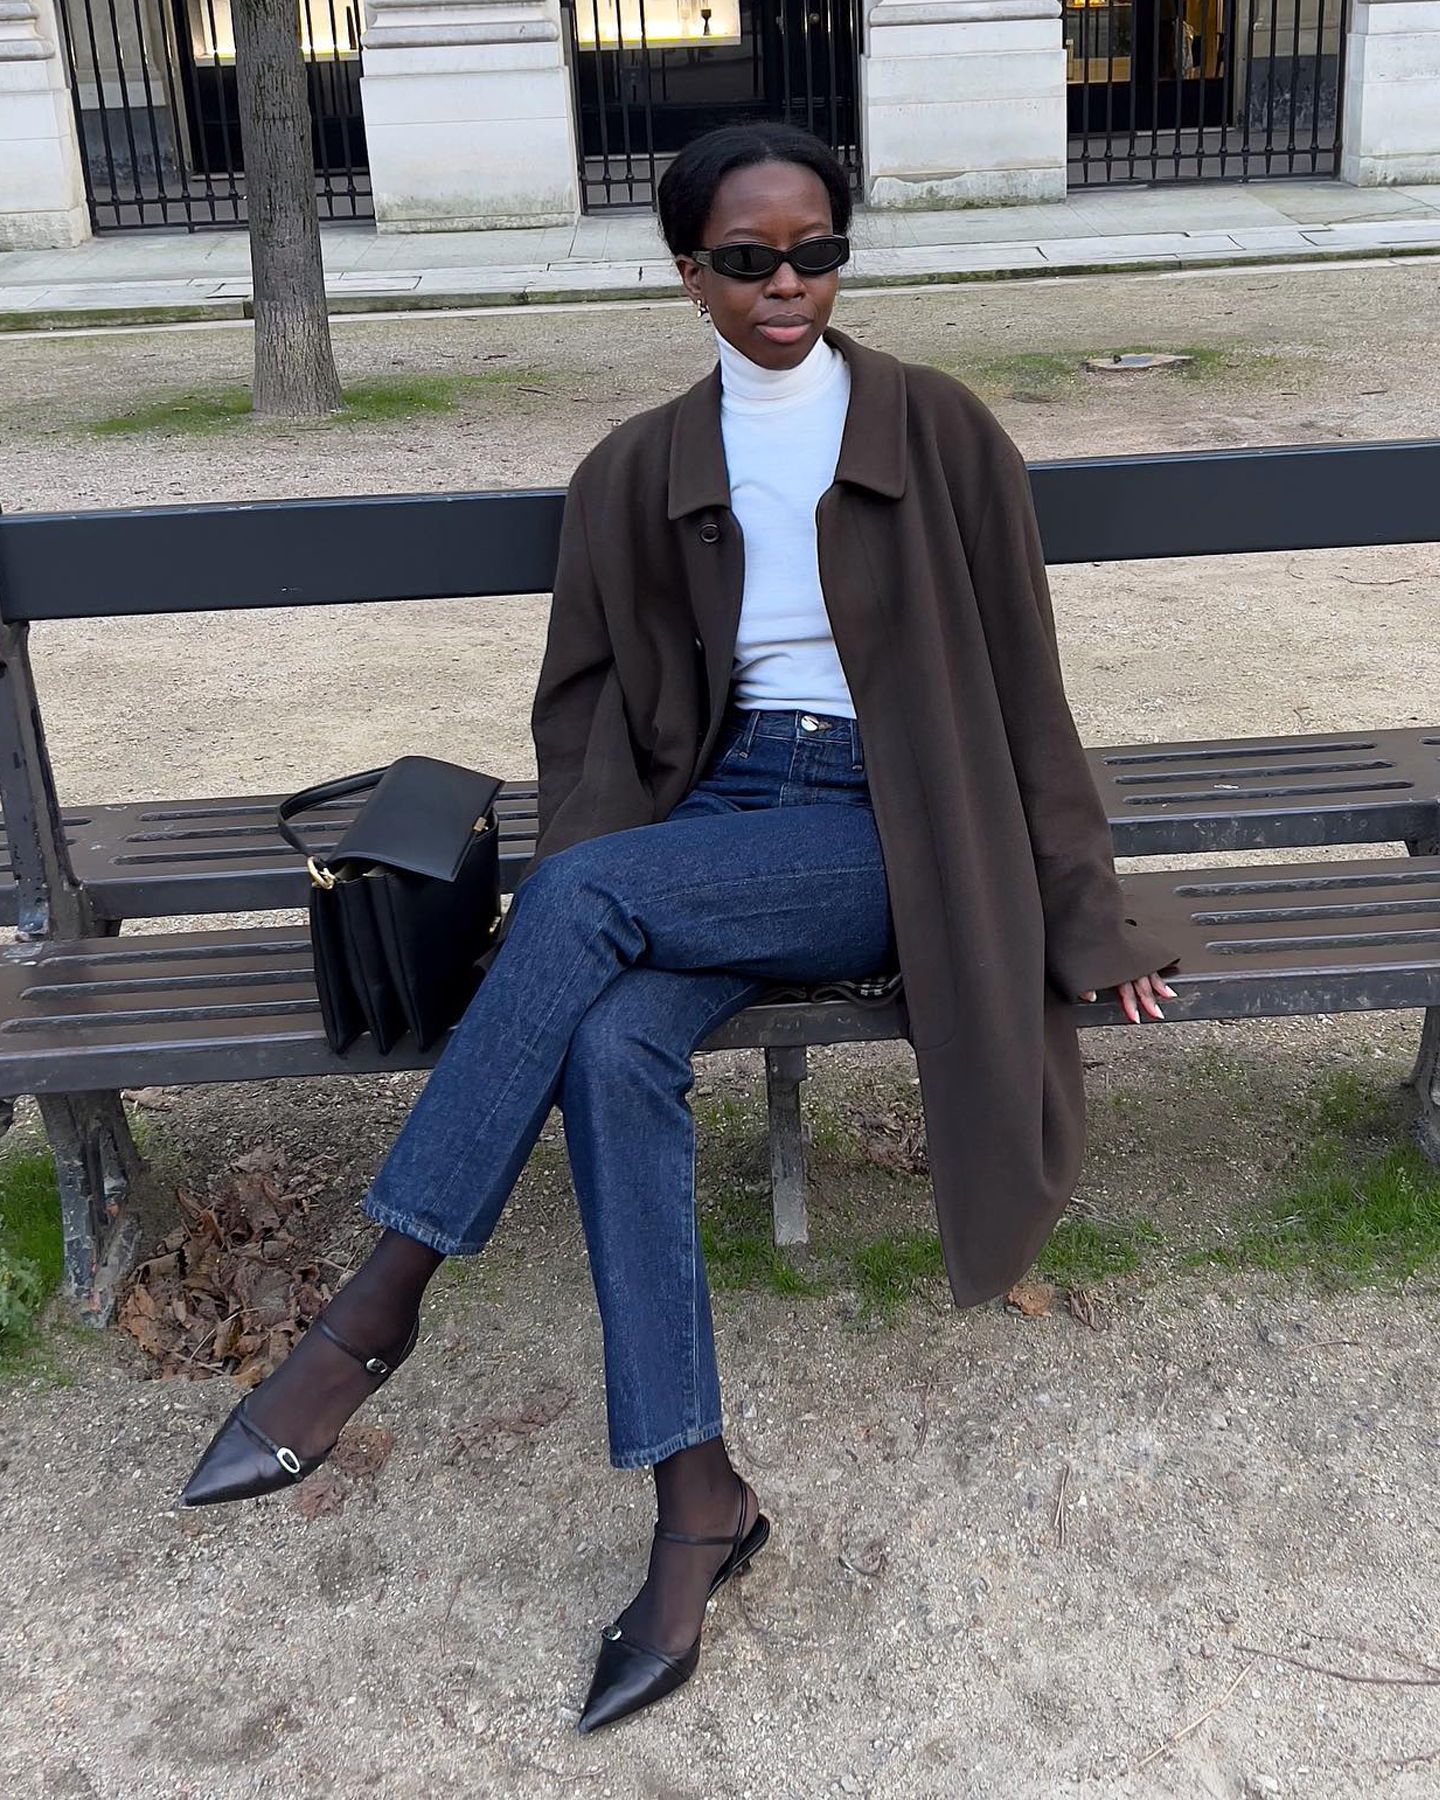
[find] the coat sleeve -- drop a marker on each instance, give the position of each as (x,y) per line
(1090,941)
(577,662)
(589,777)
(577,670)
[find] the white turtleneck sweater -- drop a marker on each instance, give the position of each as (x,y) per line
(781,430)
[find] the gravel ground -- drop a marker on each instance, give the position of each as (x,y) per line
(1243,1468)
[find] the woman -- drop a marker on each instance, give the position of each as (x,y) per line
(712,820)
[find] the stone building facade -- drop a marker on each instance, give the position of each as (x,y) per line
(466,114)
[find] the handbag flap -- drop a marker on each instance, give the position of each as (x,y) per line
(420,818)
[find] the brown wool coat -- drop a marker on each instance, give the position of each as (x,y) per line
(997,851)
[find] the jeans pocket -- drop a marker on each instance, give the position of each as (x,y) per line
(728,745)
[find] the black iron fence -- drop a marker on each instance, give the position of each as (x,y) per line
(651,74)
(153,83)
(1229,90)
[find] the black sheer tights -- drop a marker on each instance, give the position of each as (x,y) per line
(317,1387)
(697,1492)
(307,1400)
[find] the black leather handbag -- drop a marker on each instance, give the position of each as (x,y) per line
(405,903)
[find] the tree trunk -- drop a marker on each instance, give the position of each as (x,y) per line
(294,365)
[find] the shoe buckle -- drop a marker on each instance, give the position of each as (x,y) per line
(288,1460)
(376,1365)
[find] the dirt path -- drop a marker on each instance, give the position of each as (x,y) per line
(1245,1478)
(1247,1466)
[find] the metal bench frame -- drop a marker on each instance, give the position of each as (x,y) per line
(75,875)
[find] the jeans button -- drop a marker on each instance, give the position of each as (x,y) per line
(809,724)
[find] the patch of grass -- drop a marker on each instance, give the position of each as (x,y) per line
(889,1269)
(1348,1103)
(193,414)
(1029,375)
(1082,1250)
(1215,1066)
(751,1259)
(30,1235)
(1050,374)
(831,1127)
(1204,363)
(31,1249)
(373,402)
(30,1211)
(529,376)
(199,413)
(1345,1220)
(736,1227)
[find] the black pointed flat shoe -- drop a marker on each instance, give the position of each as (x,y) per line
(242,1461)
(630,1673)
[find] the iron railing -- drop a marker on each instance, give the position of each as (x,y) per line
(1229,90)
(648,77)
(153,85)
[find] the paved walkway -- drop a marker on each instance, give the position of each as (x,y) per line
(155,274)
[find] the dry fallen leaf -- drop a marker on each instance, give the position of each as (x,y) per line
(896,1140)
(323,1492)
(156,1099)
(491,1435)
(232,1287)
(867,1558)
(363,1451)
(1082,1307)
(1033,1298)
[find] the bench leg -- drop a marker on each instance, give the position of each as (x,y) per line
(784,1071)
(96,1163)
(1425,1079)
(1425,1076)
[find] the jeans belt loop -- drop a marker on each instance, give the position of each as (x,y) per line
(751,725)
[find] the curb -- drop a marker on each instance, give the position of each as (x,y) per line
(350,306)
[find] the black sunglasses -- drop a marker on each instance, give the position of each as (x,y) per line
(756,262)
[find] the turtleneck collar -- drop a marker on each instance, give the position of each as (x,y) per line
(747,384)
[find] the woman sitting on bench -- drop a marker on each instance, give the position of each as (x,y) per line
(813,536)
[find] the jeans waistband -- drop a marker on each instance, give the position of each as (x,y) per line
(794,724)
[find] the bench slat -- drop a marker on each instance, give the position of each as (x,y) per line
(75,1015)
(240,1004)
(152,859)
(395,547)
(1271,793)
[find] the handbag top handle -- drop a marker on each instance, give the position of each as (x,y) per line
(317,795)
(420,818)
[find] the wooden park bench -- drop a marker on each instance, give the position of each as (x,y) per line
(85,1012)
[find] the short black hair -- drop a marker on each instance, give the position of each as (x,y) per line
(687,188)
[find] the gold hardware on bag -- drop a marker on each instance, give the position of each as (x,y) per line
(481,825)
(321,877)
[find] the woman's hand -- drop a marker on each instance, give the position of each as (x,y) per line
(1142,990)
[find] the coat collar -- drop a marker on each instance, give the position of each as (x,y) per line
(872,445)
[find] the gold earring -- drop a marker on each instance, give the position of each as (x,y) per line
(702,311)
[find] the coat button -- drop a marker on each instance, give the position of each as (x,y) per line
(709,533)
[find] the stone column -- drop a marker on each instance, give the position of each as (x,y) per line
(468,115)
(963,102)
(1390,127)
(42,183)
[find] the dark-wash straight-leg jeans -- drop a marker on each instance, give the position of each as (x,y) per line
(624,953)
